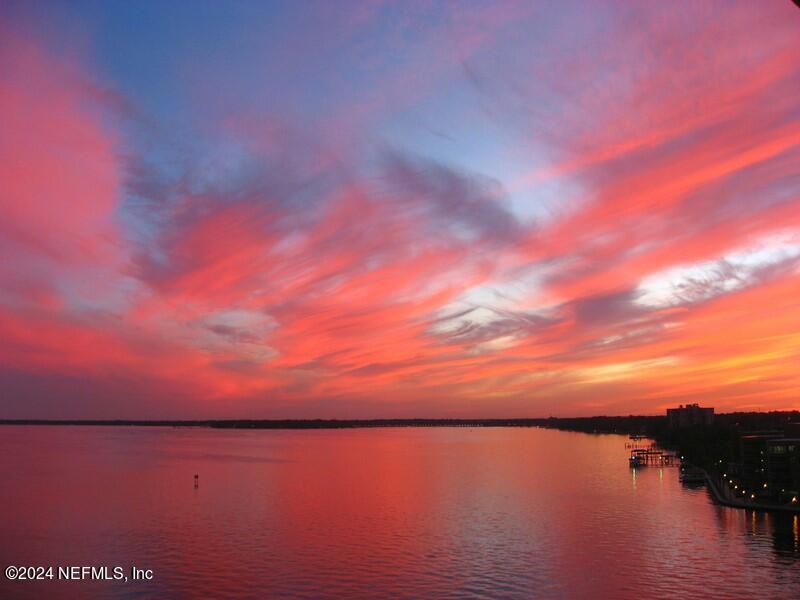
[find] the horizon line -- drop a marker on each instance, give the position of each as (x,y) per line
(332,423)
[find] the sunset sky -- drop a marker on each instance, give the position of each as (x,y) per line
(446,209)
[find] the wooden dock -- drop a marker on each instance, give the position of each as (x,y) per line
(641,457)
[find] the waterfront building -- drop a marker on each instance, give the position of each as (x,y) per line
(689,415)
(752,470)
(783,467)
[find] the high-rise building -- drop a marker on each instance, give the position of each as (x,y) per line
(691,414)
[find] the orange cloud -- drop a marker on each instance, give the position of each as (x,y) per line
(304,281)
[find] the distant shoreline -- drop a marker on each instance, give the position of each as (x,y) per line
(649,425)
(287,423)
(585,424)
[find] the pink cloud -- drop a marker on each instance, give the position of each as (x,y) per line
(301,281)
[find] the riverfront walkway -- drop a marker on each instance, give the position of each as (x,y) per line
(721,493)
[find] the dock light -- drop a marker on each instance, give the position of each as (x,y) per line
(794,499)
(765,486)
(752,496)
(736,487)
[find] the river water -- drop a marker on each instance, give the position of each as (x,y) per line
(371,513)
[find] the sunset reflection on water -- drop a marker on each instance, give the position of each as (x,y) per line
(374,512)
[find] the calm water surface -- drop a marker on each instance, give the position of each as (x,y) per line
(416,513)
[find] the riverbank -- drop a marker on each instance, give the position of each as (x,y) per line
(722,495)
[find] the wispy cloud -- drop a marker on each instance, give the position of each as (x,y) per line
(607,218)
